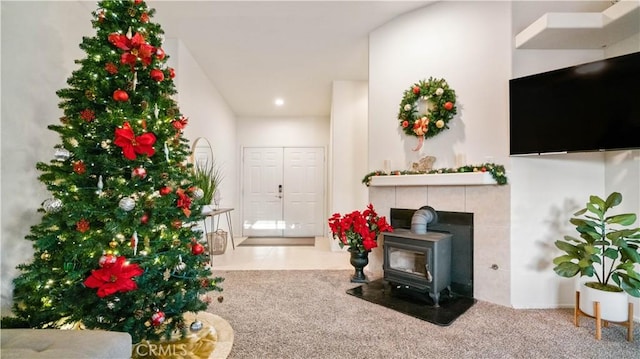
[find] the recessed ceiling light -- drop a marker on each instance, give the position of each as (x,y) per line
(279,102)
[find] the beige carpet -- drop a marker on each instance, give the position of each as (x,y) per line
(308,314)
(278,241)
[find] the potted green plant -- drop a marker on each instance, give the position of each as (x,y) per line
(207,176)
(607,249)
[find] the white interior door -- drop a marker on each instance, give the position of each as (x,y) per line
(303,191)
(283,192)
(262,202)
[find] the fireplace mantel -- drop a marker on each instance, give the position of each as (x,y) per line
(437,179)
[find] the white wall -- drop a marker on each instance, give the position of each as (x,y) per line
(209,117)
(347,159)
(283,131)
(467,44)
(39,46)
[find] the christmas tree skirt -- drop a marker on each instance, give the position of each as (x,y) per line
(212,340)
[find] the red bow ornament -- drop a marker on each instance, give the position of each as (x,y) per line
(133,145)
(184,202)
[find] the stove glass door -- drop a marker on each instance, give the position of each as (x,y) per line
(410,261)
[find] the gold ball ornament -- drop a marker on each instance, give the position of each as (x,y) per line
(90,95)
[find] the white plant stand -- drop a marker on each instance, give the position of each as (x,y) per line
(599,321)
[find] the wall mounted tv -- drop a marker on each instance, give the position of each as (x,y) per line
(589,107)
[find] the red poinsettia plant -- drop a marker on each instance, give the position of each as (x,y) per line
(359,230)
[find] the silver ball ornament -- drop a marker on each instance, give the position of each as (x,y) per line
(180,267)
(61,154)
(198,193)
(127,203)
(52,205)
(196,326)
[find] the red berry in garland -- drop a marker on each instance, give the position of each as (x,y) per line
(165,191)
(416,90)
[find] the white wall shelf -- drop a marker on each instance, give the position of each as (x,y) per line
(588,30)
(438,179)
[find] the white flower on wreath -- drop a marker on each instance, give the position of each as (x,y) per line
(439,91)
(407,107)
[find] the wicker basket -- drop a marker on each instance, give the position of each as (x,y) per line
(217,242)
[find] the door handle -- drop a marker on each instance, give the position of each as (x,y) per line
(279,191)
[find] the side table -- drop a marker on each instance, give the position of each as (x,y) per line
(215,214)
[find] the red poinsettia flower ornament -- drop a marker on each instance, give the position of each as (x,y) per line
(133,145)
(114,277)
(136,48)
(180,123)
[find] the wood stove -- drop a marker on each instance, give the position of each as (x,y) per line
(427,263)
(418,262)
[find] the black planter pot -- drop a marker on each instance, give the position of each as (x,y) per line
(359,260)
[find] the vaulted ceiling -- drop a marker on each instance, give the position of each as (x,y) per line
(256,51)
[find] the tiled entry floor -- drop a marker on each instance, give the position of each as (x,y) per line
(320,256)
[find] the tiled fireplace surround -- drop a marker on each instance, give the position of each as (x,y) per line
(490,205)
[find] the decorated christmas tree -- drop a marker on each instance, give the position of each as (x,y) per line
(118,246)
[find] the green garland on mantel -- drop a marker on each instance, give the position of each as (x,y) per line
(497,172)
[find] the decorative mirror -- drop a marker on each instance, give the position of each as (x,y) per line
(201,153)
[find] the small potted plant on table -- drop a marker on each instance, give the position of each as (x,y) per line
(207,177)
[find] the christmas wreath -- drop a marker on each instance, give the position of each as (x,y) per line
(440,108)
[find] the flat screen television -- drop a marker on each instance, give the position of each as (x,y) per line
(589,107)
